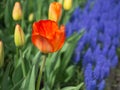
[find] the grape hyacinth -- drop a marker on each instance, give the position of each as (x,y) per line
(97,48)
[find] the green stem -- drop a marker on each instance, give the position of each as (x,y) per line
(17,52)
(58,86)
(40,72)
(23,65)
(39,9)
(17,58)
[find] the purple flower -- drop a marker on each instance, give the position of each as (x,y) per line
(101,85)
(97,47)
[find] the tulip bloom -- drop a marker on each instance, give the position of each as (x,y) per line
(17,11)
(55,11)
(19,37)
(47,37)
(67,4)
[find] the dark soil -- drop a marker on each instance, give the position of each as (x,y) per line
(113,82)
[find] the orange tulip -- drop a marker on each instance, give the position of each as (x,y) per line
(55,11)
(47,37)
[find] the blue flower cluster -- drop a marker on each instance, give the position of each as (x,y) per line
(97,48)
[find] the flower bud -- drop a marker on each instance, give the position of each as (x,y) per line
(19,37)
(67,4)
(17,11)
(31,17)
(55,11)
(1,54)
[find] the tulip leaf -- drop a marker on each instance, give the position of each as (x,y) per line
(39,9)
(36,58)
(27,51)
(25,83)
(5,81)
(29,81)
(52,64)
(78,87)
(17,75)
(71,44)
(1,76)
(55,71)
(118,52)
(25,8)
(8,14)
(32,79)
(17,85)
(76,36)
(69,72)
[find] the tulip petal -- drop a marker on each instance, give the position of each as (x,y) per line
(37,29)
(17,11)
(42,43)
(49,27)
(60,38)
(55,11)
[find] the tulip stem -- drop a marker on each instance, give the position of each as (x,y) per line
(17,57)
(22,64)
(40,72)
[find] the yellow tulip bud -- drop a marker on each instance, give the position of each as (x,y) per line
(55,11)
(1,54)
(19,37)
(17,11)
(31,17)
(67,4)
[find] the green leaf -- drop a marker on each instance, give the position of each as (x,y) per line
(57,64)
(39,9)
(78,87)
(32,79)
(25,8)
(55,71)
(36,59)
(29,81)
(17,85)
(118,52)
(52,64)
(69,72)
(69,49)
(69,88)
(17,75)
(67,55)
(8,14)
(25,83)
(76,36)
(27,51)
(6,79)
